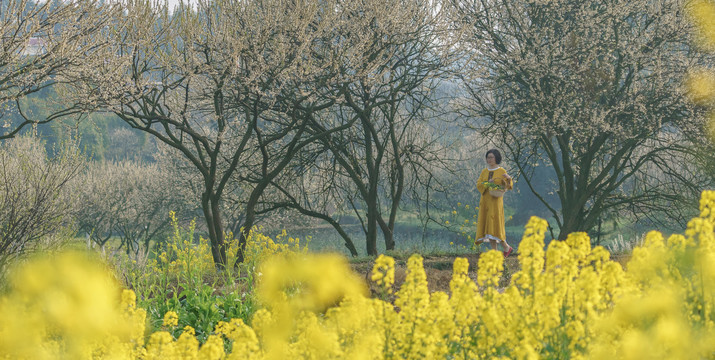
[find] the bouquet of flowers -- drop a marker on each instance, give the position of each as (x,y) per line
(494,189)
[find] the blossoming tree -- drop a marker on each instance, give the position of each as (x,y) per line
(365,168)
(232,85)
(40,42)
(591,89)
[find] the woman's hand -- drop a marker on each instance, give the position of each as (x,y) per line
(506,177)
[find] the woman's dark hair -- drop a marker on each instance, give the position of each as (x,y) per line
(497,155)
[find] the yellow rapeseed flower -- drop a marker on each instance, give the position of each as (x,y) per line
(65,307)
(171,319)
(568,301)
(307,282)
(383,272)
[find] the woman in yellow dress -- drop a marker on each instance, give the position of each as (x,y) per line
(490,226)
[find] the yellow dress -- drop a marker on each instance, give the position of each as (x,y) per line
(491,209)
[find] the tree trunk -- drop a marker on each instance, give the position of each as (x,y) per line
(348,242)
(573,221)
(249,220)
(371,236)
(372,215)
(212,214)
(388,231)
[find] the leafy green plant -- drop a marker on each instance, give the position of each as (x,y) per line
(180,276)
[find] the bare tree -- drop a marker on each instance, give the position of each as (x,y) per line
(407,149)
(127,200)
(361,168)
(385,105)
(590,89)
(35,199)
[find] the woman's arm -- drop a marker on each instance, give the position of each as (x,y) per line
(508,182)
(482,178)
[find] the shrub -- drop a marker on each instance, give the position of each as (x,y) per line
(180,276)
